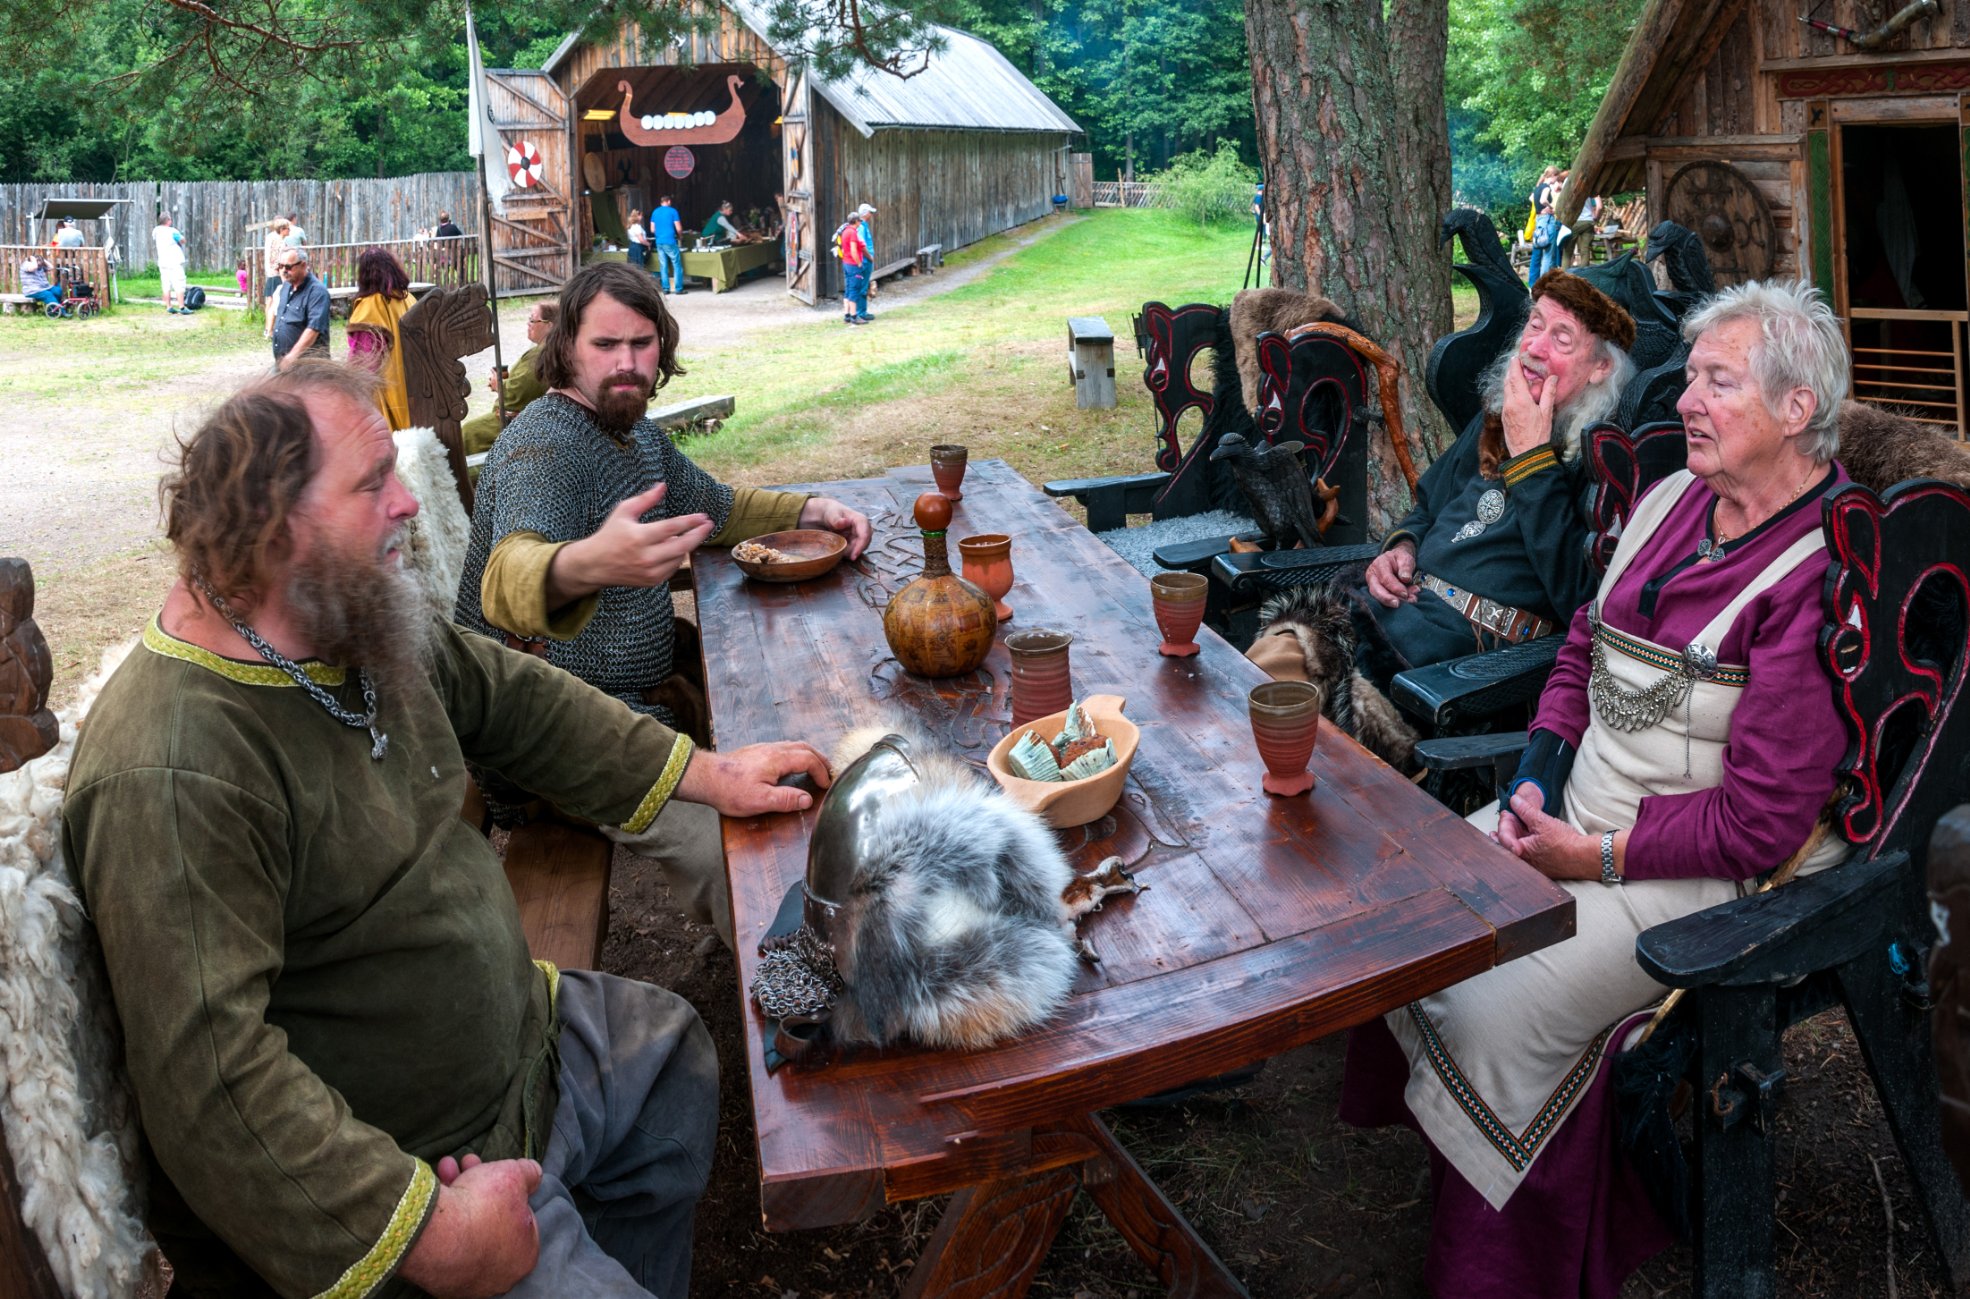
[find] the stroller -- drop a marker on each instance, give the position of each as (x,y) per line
(78,296)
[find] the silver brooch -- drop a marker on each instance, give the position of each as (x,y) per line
(1700,661)
(1490,509)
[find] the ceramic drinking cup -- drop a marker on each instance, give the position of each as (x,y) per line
(1041,681)
(947,464)
(1178,602)
(988,566)
(1285,723)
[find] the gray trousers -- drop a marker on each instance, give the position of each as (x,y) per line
(632,1143)
(688,846)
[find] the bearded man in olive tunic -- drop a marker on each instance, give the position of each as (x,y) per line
(352,1079)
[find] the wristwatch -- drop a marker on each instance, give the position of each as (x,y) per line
(1607,860)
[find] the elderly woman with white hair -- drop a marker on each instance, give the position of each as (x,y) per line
(1685,743)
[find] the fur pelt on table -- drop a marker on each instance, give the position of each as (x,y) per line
(70,1121)
(1321,620)
(1880,448)
(1256,310)
(436,537)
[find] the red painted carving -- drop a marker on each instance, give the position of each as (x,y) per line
(1894,79)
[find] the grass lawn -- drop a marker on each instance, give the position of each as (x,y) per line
(148,285)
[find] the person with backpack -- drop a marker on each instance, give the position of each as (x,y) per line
(1545,242)
(856,249)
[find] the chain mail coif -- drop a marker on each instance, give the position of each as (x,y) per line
(555,472)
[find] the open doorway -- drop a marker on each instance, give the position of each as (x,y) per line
(1901,208)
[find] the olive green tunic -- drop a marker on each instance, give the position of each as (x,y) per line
(319,967)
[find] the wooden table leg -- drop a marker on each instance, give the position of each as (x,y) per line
(1160,1235)
(992,1238)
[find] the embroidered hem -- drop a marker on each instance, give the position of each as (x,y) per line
(375,1267)
(667,782)
(1517,1149)
(159,641)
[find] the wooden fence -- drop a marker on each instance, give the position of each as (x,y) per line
(449,262)
(1129,193)
(88,264)
(215,216)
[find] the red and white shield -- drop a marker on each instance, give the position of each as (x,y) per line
(523,164)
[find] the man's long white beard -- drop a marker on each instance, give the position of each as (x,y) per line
(1588,407)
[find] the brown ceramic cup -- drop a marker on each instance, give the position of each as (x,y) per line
(1041,681)
(988,566)
(1178,602)
(1285,723)
(947,464)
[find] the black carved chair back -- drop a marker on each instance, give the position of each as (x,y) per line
(1622,466)
(1458,361)
(1317,390)
(1898,614)
(1171,338)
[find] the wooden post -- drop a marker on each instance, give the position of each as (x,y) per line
(1091,362)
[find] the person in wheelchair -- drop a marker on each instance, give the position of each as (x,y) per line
(35,281)
(1495,550)
(1685,743)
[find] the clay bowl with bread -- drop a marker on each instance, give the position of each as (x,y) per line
(1068,803)
(792,556)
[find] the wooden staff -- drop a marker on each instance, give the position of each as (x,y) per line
(1388,374)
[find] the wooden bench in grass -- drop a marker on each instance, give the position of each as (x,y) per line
(1091,362)
(929,258)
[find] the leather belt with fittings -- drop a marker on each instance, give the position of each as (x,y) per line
(1501,620)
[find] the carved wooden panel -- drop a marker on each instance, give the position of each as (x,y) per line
(27,728)
(445,325)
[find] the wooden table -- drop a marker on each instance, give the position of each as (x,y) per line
(724,266)
(1268,922)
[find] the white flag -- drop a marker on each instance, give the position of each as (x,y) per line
(482,137)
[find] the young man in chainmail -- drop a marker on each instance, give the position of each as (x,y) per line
(352,1078)
(586,508)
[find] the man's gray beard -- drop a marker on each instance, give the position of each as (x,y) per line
(1588,407)
(363,614)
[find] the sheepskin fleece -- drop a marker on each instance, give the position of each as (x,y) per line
(434,540)
(1256,310)
(70,1122)
(1879,448)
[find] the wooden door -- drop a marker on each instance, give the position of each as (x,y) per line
(803,242)
(533,239)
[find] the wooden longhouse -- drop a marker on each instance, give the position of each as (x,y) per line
(962,150)
(1840,156)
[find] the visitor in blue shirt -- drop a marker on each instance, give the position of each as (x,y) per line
(668,225)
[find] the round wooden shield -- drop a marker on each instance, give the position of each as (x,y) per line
(679,161)
(1725,210)
(593,172)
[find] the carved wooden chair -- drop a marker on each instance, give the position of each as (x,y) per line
(1896,647)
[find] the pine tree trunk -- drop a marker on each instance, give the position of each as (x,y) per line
(1356,153)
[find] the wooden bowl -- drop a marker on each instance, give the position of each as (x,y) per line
(1064,804)
(814,552)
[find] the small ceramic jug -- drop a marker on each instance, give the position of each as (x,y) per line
(939,625)
(988,562)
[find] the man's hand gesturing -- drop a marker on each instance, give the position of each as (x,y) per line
(625,551)
(1528,422)
(1392,577)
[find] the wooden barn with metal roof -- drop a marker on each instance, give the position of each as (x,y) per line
(962,150)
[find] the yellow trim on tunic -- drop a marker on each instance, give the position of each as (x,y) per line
(159,641)
(1520,468)
(653,802)
(553,974)
(375,1267)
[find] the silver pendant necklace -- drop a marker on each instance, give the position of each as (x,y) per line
(379,740)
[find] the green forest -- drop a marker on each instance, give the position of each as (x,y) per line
(108,90)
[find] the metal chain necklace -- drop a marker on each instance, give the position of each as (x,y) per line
(379,741)
(1630,711)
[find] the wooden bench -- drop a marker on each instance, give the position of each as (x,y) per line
(12,302)
(929,258)
(1091,362)
(890,269)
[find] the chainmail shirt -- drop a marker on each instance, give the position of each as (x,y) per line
(555,472)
